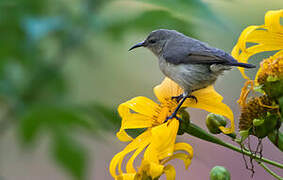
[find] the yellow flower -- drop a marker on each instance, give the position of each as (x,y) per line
(267,37)
(271,67)
(158,140)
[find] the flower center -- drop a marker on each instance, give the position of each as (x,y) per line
(166,108)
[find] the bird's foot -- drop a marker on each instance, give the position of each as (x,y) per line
(178,98)
(193,97)
(171,117)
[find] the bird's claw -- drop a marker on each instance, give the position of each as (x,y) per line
(180,97)
(177,98)
(171,117)
(193,97)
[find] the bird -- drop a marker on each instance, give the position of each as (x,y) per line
(190,63)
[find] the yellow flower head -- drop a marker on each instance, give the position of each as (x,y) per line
(267,37)
(271,67)
(158,140)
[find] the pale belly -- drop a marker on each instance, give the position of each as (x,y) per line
(190,77)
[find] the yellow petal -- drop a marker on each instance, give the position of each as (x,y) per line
(272,20)
(132,121)
(117,160)
(151,155)
(129,167)
(127,176)
(149,170)
(155,170)
(164,137)
(170,172)
(141,105)
(123,136)
(182,156)
(242,39)
(208,99)
(136,113)
(166,90)
(211,101)
(181,146)
(268,37)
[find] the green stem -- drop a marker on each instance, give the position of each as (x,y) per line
(198,132)
(270,171)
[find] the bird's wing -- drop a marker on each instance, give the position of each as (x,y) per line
(204,56)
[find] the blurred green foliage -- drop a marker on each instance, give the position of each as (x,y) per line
(37,39)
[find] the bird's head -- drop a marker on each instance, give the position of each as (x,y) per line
(156,40)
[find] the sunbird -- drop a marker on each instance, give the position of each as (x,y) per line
(192,64)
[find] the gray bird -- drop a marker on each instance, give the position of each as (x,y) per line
(190,63)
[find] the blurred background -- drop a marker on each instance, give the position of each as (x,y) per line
(65,67)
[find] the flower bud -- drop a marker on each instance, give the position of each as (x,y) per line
(213,121)
(262,127)
(185,117)
(219,173)
(270,76)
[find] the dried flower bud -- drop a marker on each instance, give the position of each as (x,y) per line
(219,173)
(270,69)
(213,121)
(255,108)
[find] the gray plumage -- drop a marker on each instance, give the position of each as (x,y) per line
(189,62)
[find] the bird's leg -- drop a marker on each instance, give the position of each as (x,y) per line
(174,115)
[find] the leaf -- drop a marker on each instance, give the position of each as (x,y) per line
(70,155)
(29,128)
(101,116)
(276,137)
(49,118)
(148,15)
(281,107)
(189,10)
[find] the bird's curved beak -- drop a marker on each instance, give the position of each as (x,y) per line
(137,45)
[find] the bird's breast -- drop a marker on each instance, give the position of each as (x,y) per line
(189,76)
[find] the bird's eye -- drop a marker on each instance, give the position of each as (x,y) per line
(152,41)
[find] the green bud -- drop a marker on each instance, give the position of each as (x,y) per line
(262,127)
(258,122)
(219,173)
(213,121)
(185,116)
(273,87)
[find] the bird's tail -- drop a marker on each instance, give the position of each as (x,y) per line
(244,65)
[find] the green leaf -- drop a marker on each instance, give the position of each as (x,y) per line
(70,155)
(276,137)
(244,134)
(181,15)
(188,10)
(102,116)
(29,128)
(281,107)
(49,118)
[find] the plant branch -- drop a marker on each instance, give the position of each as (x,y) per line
(270,171)
(198,132)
